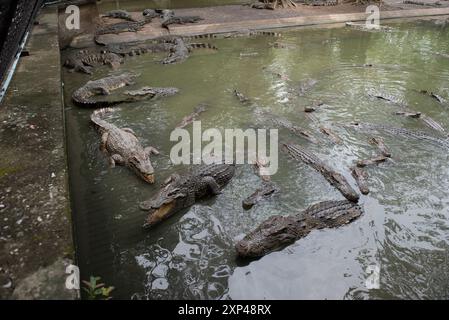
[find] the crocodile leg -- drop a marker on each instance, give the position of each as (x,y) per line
(212,185)
(151,150)
(116,159)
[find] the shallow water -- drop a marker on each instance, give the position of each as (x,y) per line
(404,228)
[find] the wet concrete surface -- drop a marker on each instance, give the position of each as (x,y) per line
(35,218)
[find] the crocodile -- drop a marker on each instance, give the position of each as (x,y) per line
(83,96)
(407,111)
(119,14)
(282,122)
(120,27)
(261,5)
(165,14)
(150,13)
(379,142)
(123,147)
(180,50)
(409,114)
(135,49)
(333,177)
(266,189)
(332,135)
(180,20)
(313,107)
(423,3)
(85,60)
(372,161)
(321,3)
(432,95)
(306,86)
(278,231)
(146,93)
(414,134)
(368,27)
(360,176)
(192,117)
(242,98)
(182,191)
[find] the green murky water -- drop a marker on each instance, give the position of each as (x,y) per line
(404,230)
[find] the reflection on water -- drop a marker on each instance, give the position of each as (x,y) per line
(404,230)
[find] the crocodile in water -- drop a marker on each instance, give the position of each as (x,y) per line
(360,176)
(123,148)
(182,191)
(418,135)
(285,123)
(277,232)
(192,117)
(333,177)
(83,96)
(85,60)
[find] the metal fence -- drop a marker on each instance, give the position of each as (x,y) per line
(16,17)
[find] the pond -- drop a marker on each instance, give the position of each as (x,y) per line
(403,232)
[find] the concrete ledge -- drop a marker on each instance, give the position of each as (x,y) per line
(36,231)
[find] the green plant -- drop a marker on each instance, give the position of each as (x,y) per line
(97,290)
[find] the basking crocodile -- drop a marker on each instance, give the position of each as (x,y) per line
(277,232)
(379,142)
(83,96)
(333,177)
(321,3)
(360,176)
(180,20)
(423,3)
(282,122)
(135,49)
(261,5)
(192,117)
(123,148)
(147,93)
(150,13)
(120,27)
(119,14)
(182,191)
(418,135)
(85,60)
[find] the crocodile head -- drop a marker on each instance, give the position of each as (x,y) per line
(169,200)
(141,165)
(273,234)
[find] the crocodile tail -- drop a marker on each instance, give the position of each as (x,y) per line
(97,115)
